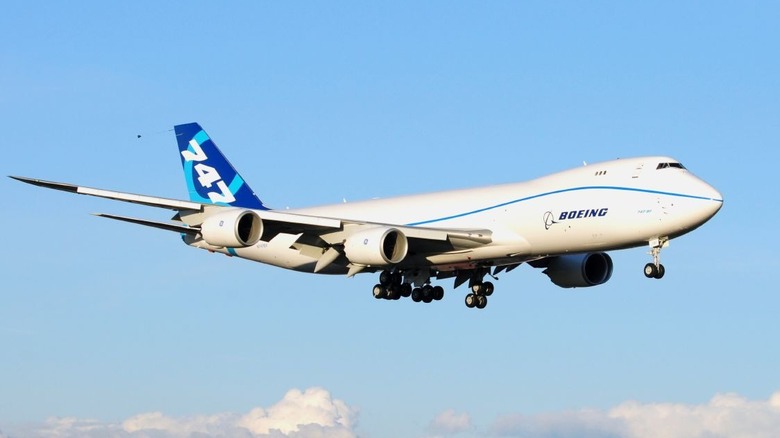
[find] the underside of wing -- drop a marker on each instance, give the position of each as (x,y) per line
(169,226)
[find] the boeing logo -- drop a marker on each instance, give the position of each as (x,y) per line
(579,214)
(549,217)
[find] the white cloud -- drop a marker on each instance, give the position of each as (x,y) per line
(724,416)
(449,422)
(312,413)
(314,406)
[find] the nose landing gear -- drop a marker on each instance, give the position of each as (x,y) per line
(656,269)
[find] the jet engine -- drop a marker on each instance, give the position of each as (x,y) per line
(580,270)
(379,246)
(232,228)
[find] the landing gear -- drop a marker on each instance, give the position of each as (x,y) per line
(479,293)
(656,269)
(394,285)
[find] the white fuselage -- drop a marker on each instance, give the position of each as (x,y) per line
(599,207)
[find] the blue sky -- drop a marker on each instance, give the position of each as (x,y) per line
(107,328)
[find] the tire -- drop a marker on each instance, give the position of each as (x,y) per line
(406,290)
(476,288)
(481,302)
(487,288)
(438,293)
(651,271)
(661,271)
(471,301)
(417,295)
(385,278)
(379,292)
(395,293)
(427,293)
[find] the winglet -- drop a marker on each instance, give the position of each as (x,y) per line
(211,179)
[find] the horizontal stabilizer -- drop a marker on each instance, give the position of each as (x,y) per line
(154,224)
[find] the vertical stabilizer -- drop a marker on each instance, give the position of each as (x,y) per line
(211,179)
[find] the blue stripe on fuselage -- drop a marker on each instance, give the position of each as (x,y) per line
(555,192)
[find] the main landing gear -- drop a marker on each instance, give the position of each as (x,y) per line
(656,269)
(397,285)
(479,293)
(392,287)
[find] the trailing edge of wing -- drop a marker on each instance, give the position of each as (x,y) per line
(152,201)
(154,224)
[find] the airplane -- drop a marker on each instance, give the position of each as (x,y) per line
(564,223)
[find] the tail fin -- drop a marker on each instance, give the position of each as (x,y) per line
(210,177)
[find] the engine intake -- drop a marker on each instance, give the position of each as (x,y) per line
(580,270)
(376,247)
(232,228)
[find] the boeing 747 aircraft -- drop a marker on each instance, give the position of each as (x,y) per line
(563,223)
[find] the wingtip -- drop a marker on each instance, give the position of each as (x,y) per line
(24,179)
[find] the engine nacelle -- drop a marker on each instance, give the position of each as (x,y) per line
(376,247)
(232,228)
(580,270)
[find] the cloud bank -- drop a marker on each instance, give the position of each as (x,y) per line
(312,413)
(724,416)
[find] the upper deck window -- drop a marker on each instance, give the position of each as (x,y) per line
(668,165)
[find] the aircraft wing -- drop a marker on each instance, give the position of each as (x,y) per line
(316,234)
(152,201)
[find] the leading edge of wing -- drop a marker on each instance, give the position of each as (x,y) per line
(151,201)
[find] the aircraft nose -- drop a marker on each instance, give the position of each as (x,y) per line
(714,196)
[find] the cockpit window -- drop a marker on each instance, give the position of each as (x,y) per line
(668,165)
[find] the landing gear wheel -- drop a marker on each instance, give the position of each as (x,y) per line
(476,288)
(438,293)
(427,293)
(481,301)
(385,278)
(406,290)
(379,291)
(653,271)
(394,293)
(487,288)
(471,301)
(417,295)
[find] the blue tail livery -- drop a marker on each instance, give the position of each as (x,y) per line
(211,179)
